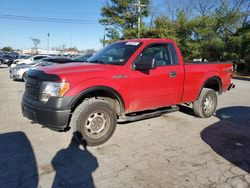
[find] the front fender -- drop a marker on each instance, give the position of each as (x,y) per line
(118,87)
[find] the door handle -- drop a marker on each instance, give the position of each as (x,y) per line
(172,74)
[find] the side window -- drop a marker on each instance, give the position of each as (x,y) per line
(38,57)
(173,53)
(159,52)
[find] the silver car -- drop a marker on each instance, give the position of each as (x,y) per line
(19,72)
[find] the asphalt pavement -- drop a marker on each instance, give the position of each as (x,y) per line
(174,150)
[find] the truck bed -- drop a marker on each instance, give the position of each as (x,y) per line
(199,72)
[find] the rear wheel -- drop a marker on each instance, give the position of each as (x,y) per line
(206,105)
(94,120)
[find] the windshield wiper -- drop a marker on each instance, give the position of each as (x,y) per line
(98,61)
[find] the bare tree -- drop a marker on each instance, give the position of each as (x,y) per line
(247,14)
(205,7)
(155,10)
(35,41)
(173,6)
(240,6)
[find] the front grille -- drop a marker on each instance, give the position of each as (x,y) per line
(32,87)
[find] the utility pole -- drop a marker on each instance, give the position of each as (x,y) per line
(103,41)
(139,6)
(47,43)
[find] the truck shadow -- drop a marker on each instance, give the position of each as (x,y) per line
(74,166)
(230,137)
(18,167)
(186,109)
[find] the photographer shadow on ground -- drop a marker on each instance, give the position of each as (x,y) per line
(74,166)
(230,137)
(18,167)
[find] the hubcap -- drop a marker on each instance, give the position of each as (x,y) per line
(208,104)
(97,124)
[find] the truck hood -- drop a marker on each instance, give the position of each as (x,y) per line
(69,68)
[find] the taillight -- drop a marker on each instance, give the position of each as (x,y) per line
(230,71)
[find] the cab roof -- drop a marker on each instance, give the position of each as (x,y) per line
(150,40)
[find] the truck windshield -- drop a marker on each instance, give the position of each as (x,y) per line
(116,54)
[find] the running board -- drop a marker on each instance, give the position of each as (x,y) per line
(146,114)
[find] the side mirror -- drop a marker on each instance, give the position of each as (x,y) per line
(145,64)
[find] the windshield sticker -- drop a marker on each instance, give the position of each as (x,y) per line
(132,43)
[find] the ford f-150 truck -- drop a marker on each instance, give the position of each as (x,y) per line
(125,81)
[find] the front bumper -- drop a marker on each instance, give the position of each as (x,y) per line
(51,117)
(15,75)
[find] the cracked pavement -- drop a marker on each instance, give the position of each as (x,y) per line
(174,150)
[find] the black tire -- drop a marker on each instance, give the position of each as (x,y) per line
(91,116)
(24,77)
(206,104)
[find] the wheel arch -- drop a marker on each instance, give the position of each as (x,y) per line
(212,83)
(102,92)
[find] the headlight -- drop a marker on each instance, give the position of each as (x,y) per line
(16,69)
(53,89)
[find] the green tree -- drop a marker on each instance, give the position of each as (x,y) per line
(214,30)
(238,49)
(234,31)
(183,33)
(162,28)
(7,49)
(208,44)
(120,18)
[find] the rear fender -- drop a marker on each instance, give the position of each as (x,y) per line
(207,80)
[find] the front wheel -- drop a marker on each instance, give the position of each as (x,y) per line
(95,120)
(206,104)
(24,76)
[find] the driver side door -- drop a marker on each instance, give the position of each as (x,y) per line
(157,87)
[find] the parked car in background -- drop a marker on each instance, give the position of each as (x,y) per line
(7,59)
(23,56)
(28,60)
(19,71)
(20,58)
(15,55)
(83,58)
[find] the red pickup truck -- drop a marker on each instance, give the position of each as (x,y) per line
(127,80)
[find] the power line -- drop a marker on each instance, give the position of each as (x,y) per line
(47,19)
(44,11)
